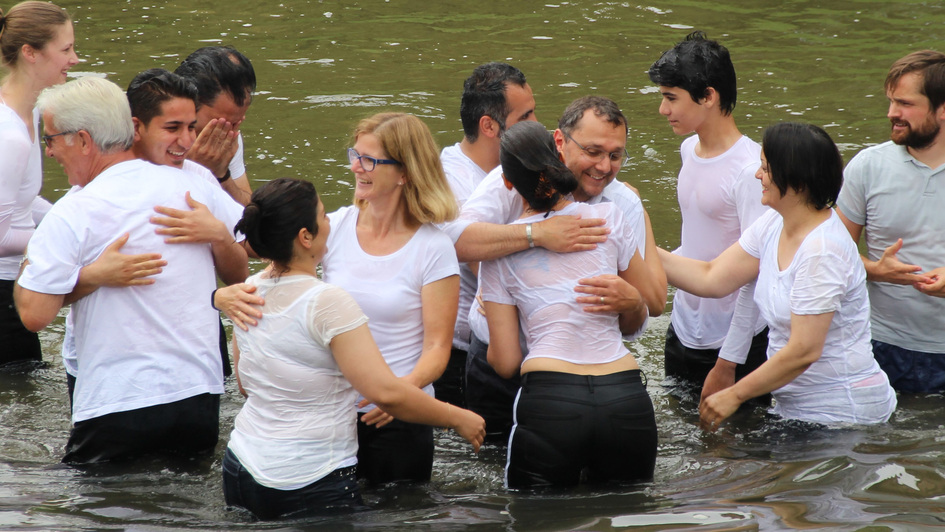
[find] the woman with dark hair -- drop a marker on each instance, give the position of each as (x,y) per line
(811,290)
(582,405)
(36,47)
(294,444)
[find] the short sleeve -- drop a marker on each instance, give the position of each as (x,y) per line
(223,206)
(491,202)
(753,237)
(237,165)
(54,258)
(626,240)
(747,191)
(819,284)
(852,199)
(492,284)
(331,312)
(440,258)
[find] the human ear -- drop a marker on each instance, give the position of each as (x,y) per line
(488,127)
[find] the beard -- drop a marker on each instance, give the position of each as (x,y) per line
(917,138)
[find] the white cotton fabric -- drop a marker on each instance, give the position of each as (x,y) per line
(234,211)
(464,176)
(492,202)
(893,195)
(719,197)
(541,284)
(136,346)
(237,164)
(388,287)
(299,422)
(826,275)
(21,177)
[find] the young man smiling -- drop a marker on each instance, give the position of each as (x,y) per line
(719,198)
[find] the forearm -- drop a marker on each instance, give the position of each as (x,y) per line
(658,274)
(230,261)
(485,241)
(632,319)
(430,366)
(782,368)
(238,189)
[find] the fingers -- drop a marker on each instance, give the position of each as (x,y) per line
(117,244)
(586,223)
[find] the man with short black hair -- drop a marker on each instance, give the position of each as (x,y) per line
(495,97)
(225,82)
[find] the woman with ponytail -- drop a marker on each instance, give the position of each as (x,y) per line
(294,444)
(37,49)
(582,407)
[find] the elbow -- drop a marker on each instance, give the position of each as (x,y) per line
(32,322)
(503,368)
(656,307)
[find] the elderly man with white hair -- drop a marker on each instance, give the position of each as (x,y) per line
(150,374)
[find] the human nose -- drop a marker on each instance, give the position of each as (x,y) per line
(604,165)
(187,138)
(664,107)
(893,110)
(758,174)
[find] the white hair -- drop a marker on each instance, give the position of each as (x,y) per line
(94,104)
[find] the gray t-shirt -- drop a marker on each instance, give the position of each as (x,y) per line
(894,196)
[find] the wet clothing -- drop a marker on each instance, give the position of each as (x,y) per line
(188,428)
(569,427)
(298,422)
(21,177)
(826,275)
(396,452)
(911,371)
(387,288)
(719,197)
(337,492)
(137,346)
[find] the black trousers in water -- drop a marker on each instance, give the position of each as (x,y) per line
(337,492)
(188,427)
(451,386)
(16,342)
(398,451)
(693,365)
(488,394)
(568,426)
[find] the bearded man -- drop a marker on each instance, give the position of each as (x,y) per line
(896,191)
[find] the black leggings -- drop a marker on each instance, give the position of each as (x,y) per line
(569,425)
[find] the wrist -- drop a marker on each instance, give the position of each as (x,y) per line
(213,296)
(225,178)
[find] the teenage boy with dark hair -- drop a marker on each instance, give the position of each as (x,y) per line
(719,198)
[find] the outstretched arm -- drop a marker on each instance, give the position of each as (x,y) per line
(888,269)
(718,278)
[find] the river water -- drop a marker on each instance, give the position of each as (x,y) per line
(322,65)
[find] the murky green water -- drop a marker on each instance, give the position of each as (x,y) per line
(323,65)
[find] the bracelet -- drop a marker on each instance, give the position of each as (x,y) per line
(528,235)
(225,177)
(211,300)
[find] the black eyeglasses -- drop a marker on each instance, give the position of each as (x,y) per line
(48,138)
(619,157)
(367,162)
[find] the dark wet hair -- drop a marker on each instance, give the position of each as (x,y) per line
(275,214)
(696,64)
(215,69)
(32,23)
(151,88)
(927,63)
(484,95)
(803,157)
(603,107)
(530,162)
